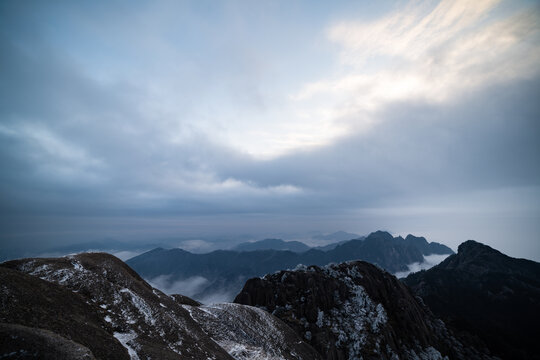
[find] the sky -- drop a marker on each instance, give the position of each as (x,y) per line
(202,123)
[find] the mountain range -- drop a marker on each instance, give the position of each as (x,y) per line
(339,237)
(477,304)
(226,271)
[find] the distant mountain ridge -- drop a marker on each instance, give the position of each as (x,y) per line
(488,297)
(272,244)
(339,237)
(228,270)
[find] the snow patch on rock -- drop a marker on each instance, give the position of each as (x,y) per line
(127,341)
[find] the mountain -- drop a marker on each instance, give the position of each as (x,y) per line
(272,244)
(487,297)
(93,305)
(226,271)
(355,310)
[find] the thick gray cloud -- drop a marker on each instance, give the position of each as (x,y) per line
(86,155)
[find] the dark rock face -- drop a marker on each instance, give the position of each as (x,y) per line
(227,270)
(354,310)
(21,342)
(38,304)
(488,298)
(94,306)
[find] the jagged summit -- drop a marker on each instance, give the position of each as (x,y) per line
(470,246)
(380,234)
(354,310)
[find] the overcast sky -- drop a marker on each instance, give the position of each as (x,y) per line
(148,120)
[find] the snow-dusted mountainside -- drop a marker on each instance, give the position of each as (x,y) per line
(249,333)
(354,310)
(110,306)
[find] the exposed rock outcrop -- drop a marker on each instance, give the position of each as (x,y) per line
(354,310)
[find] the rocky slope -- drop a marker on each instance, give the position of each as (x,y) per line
(249,333)
(44,318)
(94,305)
(355,310)
(487,297)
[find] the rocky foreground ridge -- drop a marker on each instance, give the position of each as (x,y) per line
(94,306)
(487,297)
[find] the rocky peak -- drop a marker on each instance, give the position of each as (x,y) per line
(476,259)
(471,248)
(487,297)
(380,235)
(420,240)
(353,310)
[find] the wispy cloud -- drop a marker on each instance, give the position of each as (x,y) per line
(429,262)
(423,53)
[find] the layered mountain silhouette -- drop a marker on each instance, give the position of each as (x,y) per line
(487,297)
(227,270)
